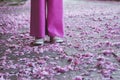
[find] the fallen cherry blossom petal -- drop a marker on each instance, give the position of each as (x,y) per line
(107,52)
(78,78)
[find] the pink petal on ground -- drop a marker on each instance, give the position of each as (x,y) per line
(78,78)
(59,69)
(108,52)
(117,44)
(76,62)
(70,59)
(106,73)
(101,58)
(8,51)
(41,61)
(87,55)
(2,78)
(69,67)
(118,59)
(45,73)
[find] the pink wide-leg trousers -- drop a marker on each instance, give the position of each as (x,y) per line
(46,18)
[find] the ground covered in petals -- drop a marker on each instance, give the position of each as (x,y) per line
(91,48)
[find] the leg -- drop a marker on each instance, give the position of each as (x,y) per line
(55,18)
(38,18)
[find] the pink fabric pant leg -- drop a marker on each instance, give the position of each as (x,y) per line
(46,22)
